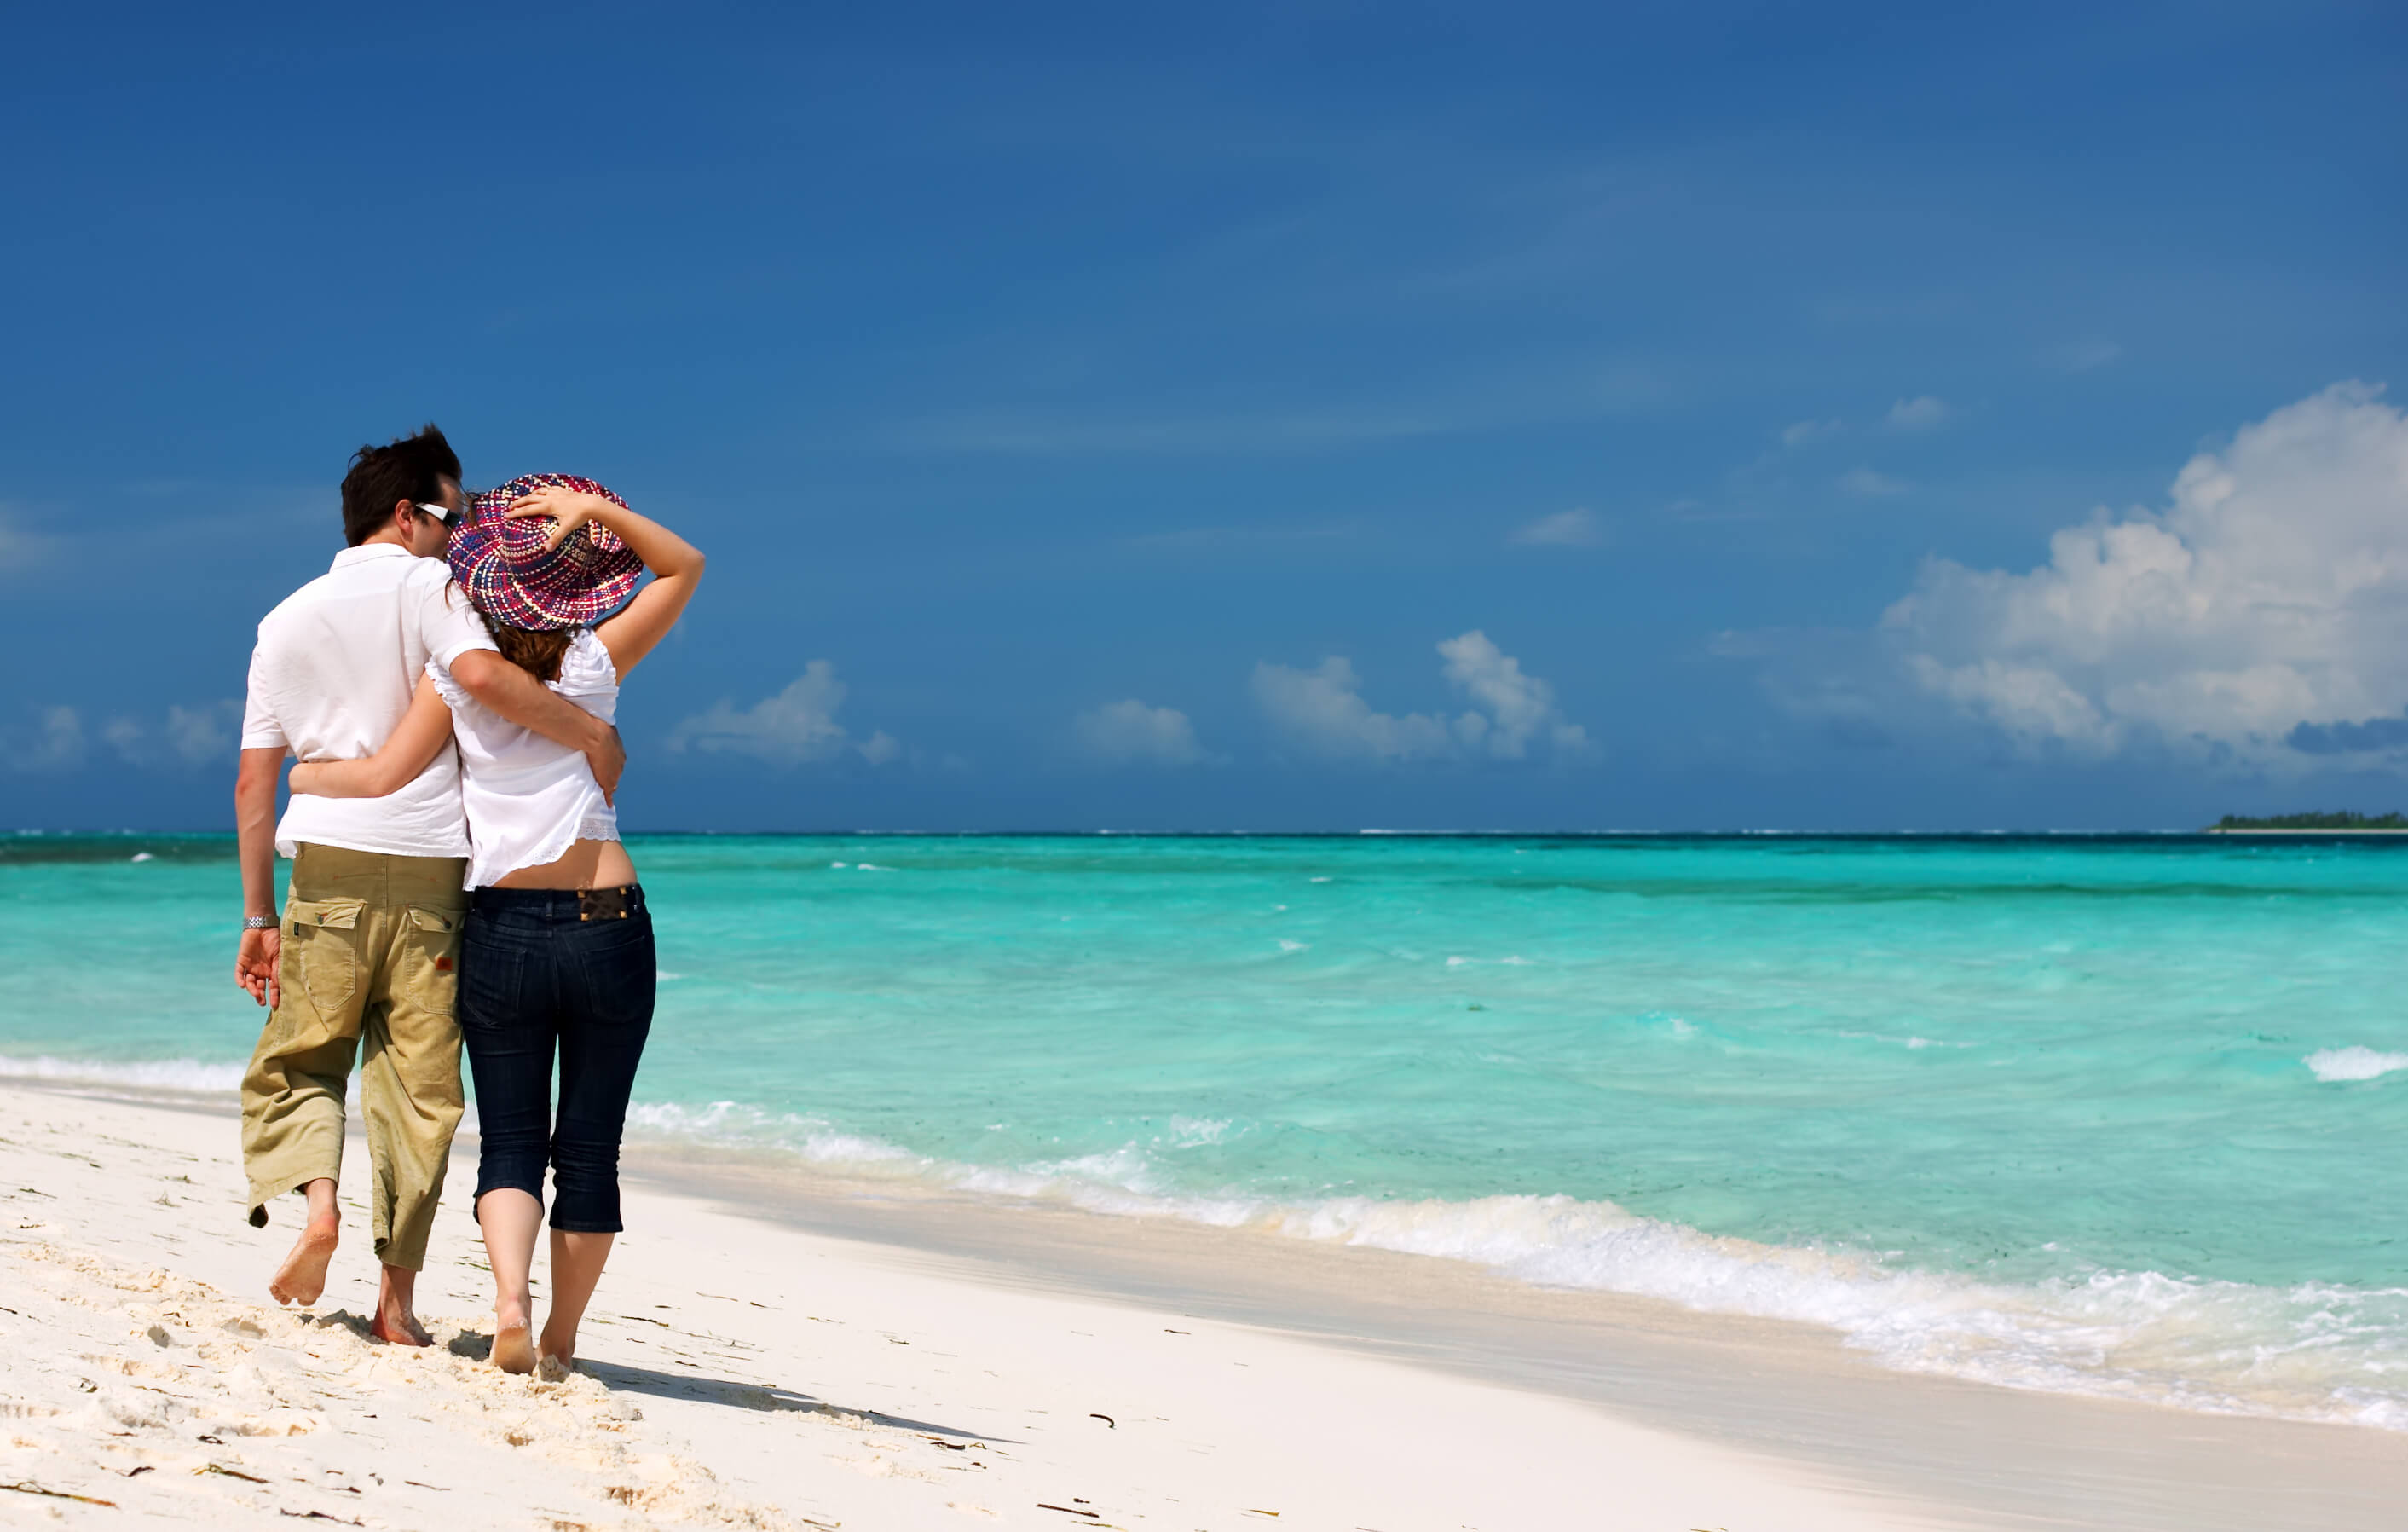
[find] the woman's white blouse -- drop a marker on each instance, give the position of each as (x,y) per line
(529,799)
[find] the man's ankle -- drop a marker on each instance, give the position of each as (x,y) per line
(320,1195)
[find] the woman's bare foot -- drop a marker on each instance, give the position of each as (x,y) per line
(560,1348)
(554,1369)
(513,1348)
(302,1277)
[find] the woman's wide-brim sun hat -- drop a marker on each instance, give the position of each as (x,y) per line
(512,578)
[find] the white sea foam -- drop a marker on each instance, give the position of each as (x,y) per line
(2353,1063)
(1287,946)
(733,1125)
(2313,1351)
(147,1075)
(1907,1042)
(144,856)
(2223,1347)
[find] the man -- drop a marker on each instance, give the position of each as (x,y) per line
(363,962)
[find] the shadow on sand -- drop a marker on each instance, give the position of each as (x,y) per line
(620,1378)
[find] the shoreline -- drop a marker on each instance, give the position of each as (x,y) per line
(2330,835)
(222,842)
(1792,1410)
(1787,1389)
(741,1372)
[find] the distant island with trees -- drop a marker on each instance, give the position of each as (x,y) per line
(2341,822)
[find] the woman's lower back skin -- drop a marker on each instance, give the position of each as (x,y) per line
(588,864)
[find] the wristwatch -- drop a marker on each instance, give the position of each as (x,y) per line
(258,923)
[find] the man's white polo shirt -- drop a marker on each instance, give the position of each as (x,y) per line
(332,675)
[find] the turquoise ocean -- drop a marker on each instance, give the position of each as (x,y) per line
(2120,1116)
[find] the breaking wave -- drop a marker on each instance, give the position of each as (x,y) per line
(2312,1352)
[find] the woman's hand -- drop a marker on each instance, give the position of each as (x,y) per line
(568,509)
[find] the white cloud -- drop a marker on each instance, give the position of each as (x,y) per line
(1798,432)
(2087,355)
(1521,709)
(1129,733)
(1920,413)
(1321,710)
(52,744)
(1576,528)
(2267,603)
(1464,405)
(1870,481)
(1193,539)
(203,733)
(193,737)
(21,549)
(796,725)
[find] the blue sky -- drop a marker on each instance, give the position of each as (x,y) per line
(1101,416)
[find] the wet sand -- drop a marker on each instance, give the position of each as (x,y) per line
(772,1349)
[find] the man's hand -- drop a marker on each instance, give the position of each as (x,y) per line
(608,758)
(254,823)
(254,964)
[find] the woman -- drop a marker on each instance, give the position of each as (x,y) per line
(558,952)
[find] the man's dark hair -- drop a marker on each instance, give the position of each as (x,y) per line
(412,468)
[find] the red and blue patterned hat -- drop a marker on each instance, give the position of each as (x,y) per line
(512,578)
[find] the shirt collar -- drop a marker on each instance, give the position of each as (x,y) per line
(367,551)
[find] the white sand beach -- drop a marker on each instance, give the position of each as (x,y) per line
(764,1371)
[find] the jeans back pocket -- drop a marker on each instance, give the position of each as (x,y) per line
(618,968)
(492,978)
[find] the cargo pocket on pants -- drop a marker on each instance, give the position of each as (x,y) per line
(317,973)
(431,959)
(321,951)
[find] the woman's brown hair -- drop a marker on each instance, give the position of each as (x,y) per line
(537,654)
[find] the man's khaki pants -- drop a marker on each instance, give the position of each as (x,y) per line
(371,946)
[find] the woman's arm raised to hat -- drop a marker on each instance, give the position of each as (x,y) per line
(422,732)
(675,562)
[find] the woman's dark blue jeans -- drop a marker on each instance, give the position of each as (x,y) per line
(544,970)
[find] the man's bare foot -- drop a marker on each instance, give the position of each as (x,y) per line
(396,1316)
(302,1277)
(513,1348)
(397,1327)
(406,1331)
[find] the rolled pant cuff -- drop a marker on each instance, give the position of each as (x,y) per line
(401,1257)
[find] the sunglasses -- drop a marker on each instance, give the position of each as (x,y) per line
(451,519)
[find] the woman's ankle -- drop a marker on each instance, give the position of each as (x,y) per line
(513,1313)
